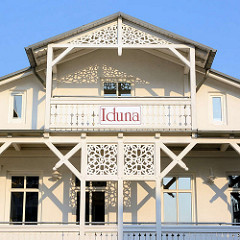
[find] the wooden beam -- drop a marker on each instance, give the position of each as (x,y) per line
(4,147)
(119,37)
(193,88)
(236,147)
(176,159)
(62,55)
(203,80)
(17,147)
(65,159)
(180,56)
(224,147)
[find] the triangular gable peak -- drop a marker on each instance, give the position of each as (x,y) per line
(131,34)
(120,31)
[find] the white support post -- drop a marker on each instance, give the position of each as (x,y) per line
(158,189)
(83,188)
(120,162)
(193,88)
(48,86)
(119,36)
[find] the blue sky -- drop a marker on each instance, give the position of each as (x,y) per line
(215,23)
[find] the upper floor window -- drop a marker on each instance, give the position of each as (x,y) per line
(177,199)
(24,199)
(218,109)
(234,185)
(122,89)
(17,106)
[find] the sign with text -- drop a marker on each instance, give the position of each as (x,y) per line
(120,115)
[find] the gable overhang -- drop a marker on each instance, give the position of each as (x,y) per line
(37,53)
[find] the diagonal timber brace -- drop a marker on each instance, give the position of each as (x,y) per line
(4,147)
(175,159)
(64,159)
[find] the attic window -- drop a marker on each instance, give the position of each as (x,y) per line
(121,89)
(17,106)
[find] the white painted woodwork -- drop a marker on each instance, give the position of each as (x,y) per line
(155,113)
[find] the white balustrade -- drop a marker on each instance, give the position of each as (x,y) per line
(156,113)
(133,232)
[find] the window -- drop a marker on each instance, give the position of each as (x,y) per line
(17,107)
(95,202)
(234,185)
(24,199)
(218,110)
(177,199)
(113,89)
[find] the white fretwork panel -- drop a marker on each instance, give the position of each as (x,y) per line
(132,35)
(101,159)
(105,35)
(139,159)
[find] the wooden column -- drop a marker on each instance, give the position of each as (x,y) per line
(48,86)
(120,161)
(193,87)
(157,159)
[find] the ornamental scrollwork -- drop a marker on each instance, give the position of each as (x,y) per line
(132,35)
(101,159)
(106,35)
(139,159)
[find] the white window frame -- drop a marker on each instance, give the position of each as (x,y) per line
(222,96)
(9,190)
(192,191)
(11,119)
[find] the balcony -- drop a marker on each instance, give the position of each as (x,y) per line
(68,231)
(102,114)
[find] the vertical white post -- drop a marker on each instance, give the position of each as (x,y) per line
(193,87)
(120,161)
(158,189)
(48,86)
(119,36)
(83,186)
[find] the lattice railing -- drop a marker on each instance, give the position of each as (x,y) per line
(156,113)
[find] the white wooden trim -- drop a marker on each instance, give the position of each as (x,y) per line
(4,147)
(119,36)
(62,55)
(193,88)
(180,56)
(48,86)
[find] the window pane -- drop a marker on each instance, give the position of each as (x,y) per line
(124,89)
(17,182)
(235,199)
(184,183)
(217,109)
(16,207)
(110,89)
(32,182)
(234,181)
(169,183)
(170,207)
(185,207)
(98,207)
(99,184)
(17,106)
(31,208)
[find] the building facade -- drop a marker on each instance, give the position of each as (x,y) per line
(119,130)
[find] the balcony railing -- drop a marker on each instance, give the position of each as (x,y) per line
(133,232)
(87,113)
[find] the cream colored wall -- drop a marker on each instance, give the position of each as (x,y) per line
(212,202)
(231,106)
(149,75)
(34,107)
